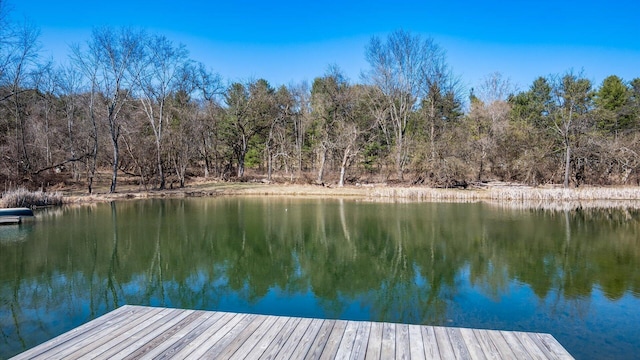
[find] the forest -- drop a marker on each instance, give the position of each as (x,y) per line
(134,105)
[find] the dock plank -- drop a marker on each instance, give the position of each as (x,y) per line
(137,332)
(359,351)
(416,343)
(489,348)
(403,348)
(458,344)
(190,341)
(554,347)
(445,347)
(235,338)
(472,344)
(430,342)
(252,340)
(139,340)
(209,338)
(300,352)
(331,346)
(97,325)
(277,344)
(318,344)
(374,347)
(149,349)
(96,343)
(176,340)
(348,338)
(266,340)
(294,339)
(531,346)
(515,345)
(388,347)
(500,343)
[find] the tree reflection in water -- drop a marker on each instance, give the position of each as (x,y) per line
(470,265)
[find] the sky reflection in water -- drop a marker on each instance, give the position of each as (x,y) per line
(573,274)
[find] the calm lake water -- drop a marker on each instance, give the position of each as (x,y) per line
(573,274)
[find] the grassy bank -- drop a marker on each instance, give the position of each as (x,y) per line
(493,193)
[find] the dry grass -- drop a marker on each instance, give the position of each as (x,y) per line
(29,199)
(492,192)
(511,195)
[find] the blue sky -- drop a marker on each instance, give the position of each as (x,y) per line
(291,41)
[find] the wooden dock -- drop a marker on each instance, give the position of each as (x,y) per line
(10,220)
(138,332)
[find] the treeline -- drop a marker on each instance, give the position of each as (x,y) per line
(129,102)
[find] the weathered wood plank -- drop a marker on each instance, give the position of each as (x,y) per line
(181,348)
(304,344)
(94,326)
(489,348)
(500,343)
(331,346)
(444,343)
(210,337)
(231,341)
(348,338)
(318,344)
(173,340)
(457,343)
(388,347)
(134,332)
(531,346)
(267,338)
(96,342)
(359,351)
(553,346)
(430,342)
(472,344)
(403,348)
(374,347)
(416,343)
(138,337)
(281,338)
(252,340)
(292,342)
(164,337)
(515,345)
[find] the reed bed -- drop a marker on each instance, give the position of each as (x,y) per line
(24,198)
(556,194)
(500,194)
(564,205)
(509,194)
(491,192)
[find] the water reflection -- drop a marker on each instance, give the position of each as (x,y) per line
(15,233)
(575,274)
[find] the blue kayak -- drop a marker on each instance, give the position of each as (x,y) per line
(16,212)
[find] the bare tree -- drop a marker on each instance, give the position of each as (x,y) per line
(156,78)
(283,102)
(489,117)
(107,61)
(301,119)
(330,103)
(19,51)
(210,89)
(87,63)
(70,88)
(402,68)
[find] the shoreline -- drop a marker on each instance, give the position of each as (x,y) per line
(504,195)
